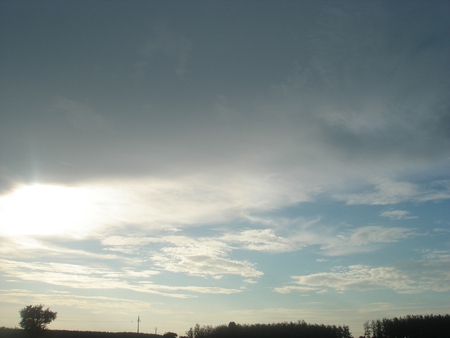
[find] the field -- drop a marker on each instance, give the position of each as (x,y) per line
(17,333)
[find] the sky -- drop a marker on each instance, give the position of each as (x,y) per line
(215,161)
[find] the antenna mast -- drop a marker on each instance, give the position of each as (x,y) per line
(138,321)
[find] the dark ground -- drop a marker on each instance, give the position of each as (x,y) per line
(17,333)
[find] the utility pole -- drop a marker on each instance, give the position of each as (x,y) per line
(138,321)
(156,329)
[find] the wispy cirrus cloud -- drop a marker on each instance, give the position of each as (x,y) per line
(170,45)
(331,240)
(203,265)
(204,256)
(94,278)
(378,234)
(45,248)
(355,277)
(261,240)
(415,277)
(201,256)
(439,255)
(363,239)
(209,256)
(397,214)
(393,192)
(80,116)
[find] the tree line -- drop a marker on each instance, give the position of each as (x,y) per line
(277,330)
(428,326)
(411,326)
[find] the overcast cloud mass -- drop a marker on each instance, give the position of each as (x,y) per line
(207,162)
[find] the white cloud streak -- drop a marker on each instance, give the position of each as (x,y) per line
(417,277)
(261,240)
(397,214)
(84,277)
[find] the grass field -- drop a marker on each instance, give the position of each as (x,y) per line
(18,333)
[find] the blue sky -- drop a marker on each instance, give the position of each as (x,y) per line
(211,161)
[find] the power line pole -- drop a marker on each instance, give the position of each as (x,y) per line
(138,321)
(156,329)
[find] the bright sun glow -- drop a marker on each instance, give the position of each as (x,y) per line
(45,210)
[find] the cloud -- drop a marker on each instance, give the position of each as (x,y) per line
(165,43)
(148,208)
(397,214)
(86,210)
(289,235)
(48,248)
(203,256)
(441,230)
(392,192)
(206,256)
(250,281)
(415,277)
(362,239)
(439,255)
(94,278)
(284,147)
(80,117)
(261,240)
(378,234)
(352,108)
(202,265)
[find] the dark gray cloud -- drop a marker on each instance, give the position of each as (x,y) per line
(358,96)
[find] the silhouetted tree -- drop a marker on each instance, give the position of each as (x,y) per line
(35,319)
